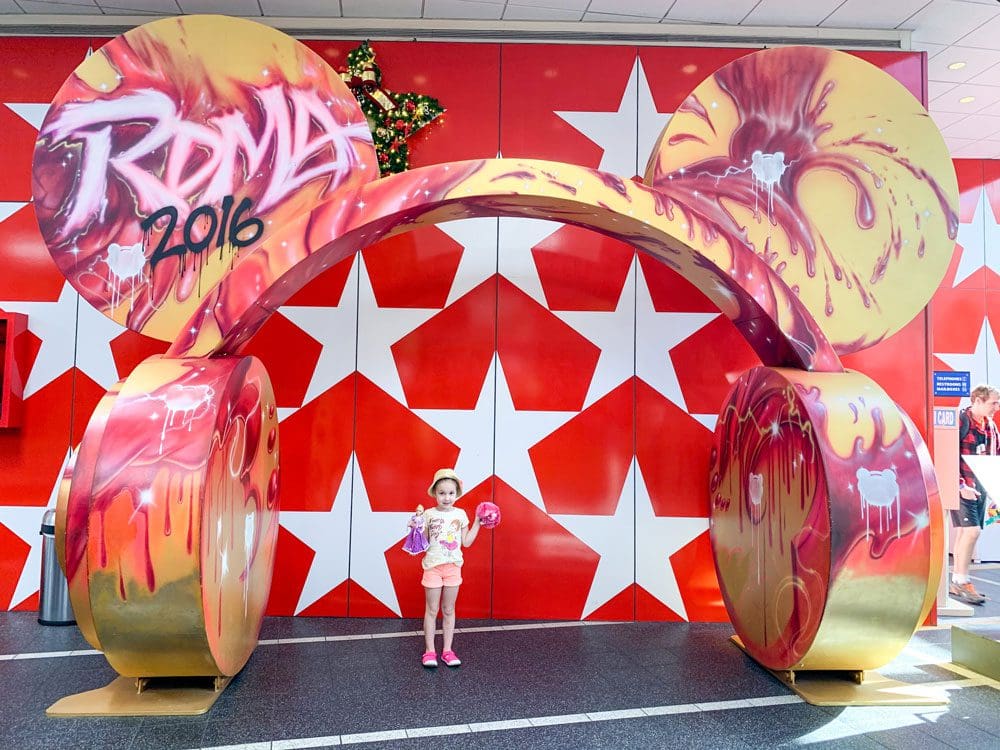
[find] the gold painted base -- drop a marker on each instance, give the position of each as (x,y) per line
(144,696)
(978,653)
(853,687)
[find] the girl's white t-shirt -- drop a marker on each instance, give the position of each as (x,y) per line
(444,534)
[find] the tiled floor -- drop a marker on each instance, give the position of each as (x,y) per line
(325,682)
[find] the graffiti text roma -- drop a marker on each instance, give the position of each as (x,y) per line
(298,141)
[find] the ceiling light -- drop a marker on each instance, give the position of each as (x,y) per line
(956,65)
(966,99)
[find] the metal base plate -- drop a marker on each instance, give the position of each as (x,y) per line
(853,688)
(128,696)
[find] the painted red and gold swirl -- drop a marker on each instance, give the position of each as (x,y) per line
(171,517)
(176,149)
(828,170)
(825,521)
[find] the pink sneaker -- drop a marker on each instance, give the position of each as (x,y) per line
(450,658)
(429,659)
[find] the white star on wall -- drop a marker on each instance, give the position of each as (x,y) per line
(471,430)
(54,323)
(708,421)
(378,329)
(516,433)
(478,238)
(613,539)
(25,521)
(31,113)
(612,130)
(9,208)
(336,329)
(656,539)
(608,331)
(656,334)
(516,263)
(981,364)
(374,532)
(979,241)
(328,534)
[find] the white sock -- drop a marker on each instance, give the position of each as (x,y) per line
(955,578)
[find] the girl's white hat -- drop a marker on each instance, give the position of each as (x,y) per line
(445,474)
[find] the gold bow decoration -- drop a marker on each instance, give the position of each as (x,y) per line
(392,117)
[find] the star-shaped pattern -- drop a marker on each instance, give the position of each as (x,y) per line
(336,329)
(25,521)
(979,242)
(604,330)
(609,129)
(708,420)
(466,429)
(31,113)
(611,537)
(656,539)
(9,208)
(51,321)
(284,412)
(372,533)
(981,363)
(328,535)
(516,433)
(349,525)
(378,329)
(656,334)
(516,263)
(478,238)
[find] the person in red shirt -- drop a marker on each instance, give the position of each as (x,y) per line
(978,436)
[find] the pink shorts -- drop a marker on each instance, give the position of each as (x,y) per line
(447,574)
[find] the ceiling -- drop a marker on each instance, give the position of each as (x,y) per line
(964,99)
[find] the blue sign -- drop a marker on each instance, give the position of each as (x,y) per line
(948,383)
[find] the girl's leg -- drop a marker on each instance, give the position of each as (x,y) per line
(432,602)
(448,600)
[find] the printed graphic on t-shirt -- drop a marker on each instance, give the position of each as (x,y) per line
(444,536)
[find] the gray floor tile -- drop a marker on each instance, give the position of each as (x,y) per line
(316,689)
(170,735)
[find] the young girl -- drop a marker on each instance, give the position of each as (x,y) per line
(447,531)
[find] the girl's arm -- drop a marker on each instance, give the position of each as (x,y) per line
(470,533)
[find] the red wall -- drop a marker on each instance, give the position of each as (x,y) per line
(564,377)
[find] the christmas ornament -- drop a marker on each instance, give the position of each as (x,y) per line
(392,117)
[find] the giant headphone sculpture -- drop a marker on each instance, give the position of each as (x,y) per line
(195,172)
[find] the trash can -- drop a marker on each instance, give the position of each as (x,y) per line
(53,593)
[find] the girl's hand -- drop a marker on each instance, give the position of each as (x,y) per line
(488,514)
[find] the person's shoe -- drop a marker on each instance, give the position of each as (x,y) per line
(450,658)
(429,659)
(966,593)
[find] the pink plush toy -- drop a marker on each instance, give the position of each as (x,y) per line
(488,515)
(416,543)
